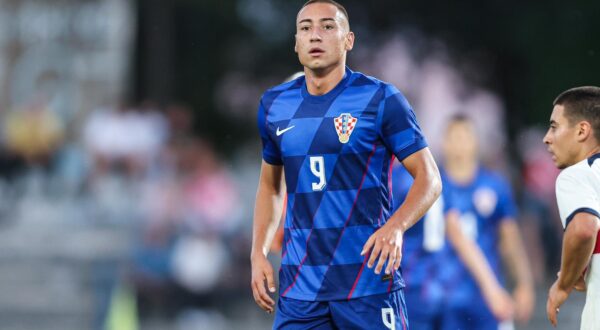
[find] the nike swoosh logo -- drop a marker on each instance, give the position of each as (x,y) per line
(279,132)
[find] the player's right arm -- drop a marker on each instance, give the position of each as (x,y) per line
(497,299)
(267,213)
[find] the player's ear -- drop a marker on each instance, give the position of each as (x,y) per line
(295,43)
(584,131)
(349,44)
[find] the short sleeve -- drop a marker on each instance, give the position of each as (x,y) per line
(398,125)
(270,151)
(574,194)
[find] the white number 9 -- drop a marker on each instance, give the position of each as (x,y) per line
(317,167)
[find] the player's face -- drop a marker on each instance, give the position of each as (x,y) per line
(561,139)
(322,37)
(460,142)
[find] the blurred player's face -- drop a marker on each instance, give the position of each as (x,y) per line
(460,143)
(562,139)
(322,37)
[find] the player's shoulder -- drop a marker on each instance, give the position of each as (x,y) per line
(362,79)
(359,79)
(575,174)
(294,84)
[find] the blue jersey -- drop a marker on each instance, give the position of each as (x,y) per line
(483,204)
(336,150)
(423,252)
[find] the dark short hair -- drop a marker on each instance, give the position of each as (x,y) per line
(582,103)
(331,2)
(459,118)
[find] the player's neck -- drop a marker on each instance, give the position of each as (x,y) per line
(592,150)
(320,82)
(461,171)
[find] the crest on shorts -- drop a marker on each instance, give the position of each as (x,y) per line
(344,125)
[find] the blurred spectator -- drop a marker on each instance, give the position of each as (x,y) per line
(209,191)
(34,133)
(189,211)
(124,139)
(180,120)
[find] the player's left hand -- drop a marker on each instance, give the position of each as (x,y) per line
(580,285)
(385,244)
(556,297)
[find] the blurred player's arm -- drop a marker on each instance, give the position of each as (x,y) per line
(497,299)
(267,214)
(386,242)
(578,245)
(513,253)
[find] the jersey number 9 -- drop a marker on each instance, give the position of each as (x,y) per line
(317,167)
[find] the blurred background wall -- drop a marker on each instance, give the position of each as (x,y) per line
(129,155)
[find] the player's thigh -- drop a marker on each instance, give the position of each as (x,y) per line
(299,314)
(383,311)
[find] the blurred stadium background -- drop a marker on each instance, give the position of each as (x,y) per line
(129,156)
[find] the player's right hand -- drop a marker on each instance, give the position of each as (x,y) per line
(261,271)
(500,303)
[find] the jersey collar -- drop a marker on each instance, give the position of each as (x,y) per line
(329,95)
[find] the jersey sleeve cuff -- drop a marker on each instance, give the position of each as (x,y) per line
(411,149)
(580,210)
(272,160)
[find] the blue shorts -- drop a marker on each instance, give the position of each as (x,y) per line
(382,311)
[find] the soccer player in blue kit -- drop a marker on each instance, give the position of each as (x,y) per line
(334,133)
(486,214)
(426,250)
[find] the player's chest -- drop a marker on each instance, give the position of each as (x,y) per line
(479,202)
(338,131)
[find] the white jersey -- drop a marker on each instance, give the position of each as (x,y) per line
(578,190)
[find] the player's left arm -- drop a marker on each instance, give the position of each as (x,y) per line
(400,133)
(513,253)
(579,213)
(386,243)
(578,245)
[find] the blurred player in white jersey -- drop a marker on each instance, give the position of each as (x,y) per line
(573,139)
